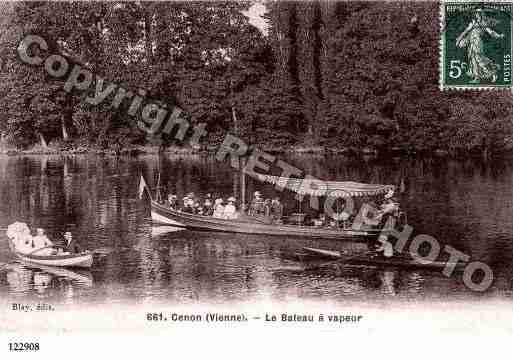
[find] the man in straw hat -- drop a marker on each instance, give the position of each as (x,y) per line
(69,244)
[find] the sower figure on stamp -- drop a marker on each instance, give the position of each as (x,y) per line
(480,67)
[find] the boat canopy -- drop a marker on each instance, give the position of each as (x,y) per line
(316,187)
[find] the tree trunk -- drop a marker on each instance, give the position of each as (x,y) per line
(65,135)
(148,46)
(43,141)
(235,123)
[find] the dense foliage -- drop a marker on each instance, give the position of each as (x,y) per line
(342,75)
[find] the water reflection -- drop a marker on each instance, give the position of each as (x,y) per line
(466,204)
(42,281)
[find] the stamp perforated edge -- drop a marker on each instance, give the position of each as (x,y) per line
(441,51)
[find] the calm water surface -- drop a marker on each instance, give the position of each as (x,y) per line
(467,204)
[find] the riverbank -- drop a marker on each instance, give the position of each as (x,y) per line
(188,150)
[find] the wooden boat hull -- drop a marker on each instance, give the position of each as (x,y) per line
(163,215)
(379,261)
(82,260)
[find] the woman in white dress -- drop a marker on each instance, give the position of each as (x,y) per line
(218,208)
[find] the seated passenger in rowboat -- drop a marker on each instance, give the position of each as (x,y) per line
(21,239)
(23,242)
(40,240)
(68,245)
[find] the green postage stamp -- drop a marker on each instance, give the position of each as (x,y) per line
(475,45)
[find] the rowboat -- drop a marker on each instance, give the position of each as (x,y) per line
(80,260)
(163,215)
(63,259)
(409,263)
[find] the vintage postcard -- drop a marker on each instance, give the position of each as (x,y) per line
(300,178)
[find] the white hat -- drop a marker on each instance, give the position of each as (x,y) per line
(389,194)
(383,238)
(257,193)
(231,199)
(344,216)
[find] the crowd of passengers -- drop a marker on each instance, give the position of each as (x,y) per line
(265,208)
(219,208)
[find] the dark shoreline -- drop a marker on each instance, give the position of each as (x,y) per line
(297,150)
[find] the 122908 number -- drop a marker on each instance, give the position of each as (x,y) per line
(18,347)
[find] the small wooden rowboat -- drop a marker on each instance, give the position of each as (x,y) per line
(380,261)
(80,260)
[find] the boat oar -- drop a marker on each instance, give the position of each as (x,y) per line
(334,256)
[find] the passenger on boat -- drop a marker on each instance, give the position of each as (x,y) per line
(197,208)
(267,207)
(40,241)
(385,246)
(230,211)
(69,245)
(188,205)
(389,205)
(172,201)
(257,205)
(185,203)
(276,209)
(208,206)
(321,221)
(218,208)
(344,217)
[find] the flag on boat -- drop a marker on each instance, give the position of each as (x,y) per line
(142,187)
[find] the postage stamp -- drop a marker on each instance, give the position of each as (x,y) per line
(475,49)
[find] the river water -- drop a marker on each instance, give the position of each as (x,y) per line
(467,204)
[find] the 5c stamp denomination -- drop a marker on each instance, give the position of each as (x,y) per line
(475,45)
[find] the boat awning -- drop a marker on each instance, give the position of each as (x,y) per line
(318,188)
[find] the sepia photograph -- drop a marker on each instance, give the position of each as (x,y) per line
(195,168)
